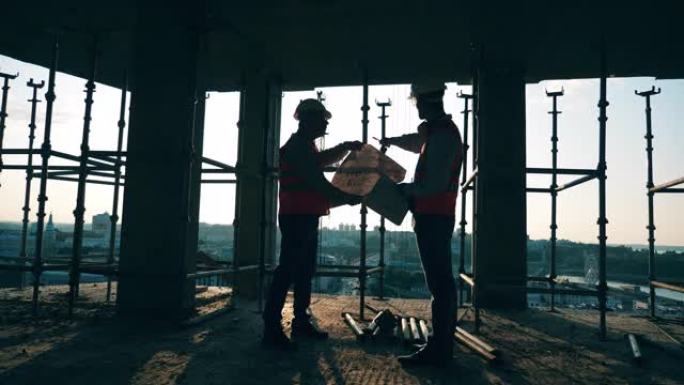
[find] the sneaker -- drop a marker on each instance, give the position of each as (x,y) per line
(426,356)
(307,330)
(274,338)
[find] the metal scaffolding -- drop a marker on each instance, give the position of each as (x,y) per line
(92,167)
(652,189)
(469,183)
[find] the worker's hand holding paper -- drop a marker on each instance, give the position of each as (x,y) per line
(373,175)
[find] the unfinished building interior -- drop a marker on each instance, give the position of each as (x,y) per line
(167,56)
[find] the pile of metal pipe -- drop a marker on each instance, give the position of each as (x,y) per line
(475,344)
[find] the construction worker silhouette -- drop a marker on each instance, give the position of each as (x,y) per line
(432,199)
(305,195)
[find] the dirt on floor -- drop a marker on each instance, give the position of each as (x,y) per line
(96,346)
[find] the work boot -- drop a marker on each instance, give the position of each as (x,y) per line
(274,338)
(428,355)
(306,329)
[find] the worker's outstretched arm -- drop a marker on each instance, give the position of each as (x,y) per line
(442,148)
(409,142)
(304,162)
(335,154)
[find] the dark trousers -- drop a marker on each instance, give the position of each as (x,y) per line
(298,244)
(433,233)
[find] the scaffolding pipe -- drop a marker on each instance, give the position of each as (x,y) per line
(602,220)
(42,194)
(3,108)
(665,185)
(678,287)
(649,185)
(560,171)
(29,171)
(114,218)
(464,173)
(575,182)
(364,209)
(79,211)
(554,192)
(383,134)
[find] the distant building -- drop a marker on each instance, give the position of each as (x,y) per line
(50,239)
(102,223)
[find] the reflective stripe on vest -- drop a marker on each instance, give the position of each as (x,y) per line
(295,196)
(442,203)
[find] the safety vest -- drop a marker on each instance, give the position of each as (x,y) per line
(442,203)
(295,196)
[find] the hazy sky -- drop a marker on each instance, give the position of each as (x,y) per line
(578,146)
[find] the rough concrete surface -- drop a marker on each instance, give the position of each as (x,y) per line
(97,347)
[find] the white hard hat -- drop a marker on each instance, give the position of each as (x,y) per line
(426,87)
(310,105)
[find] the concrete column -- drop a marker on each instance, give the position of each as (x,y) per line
(159,216)
(500,226)
(259,129)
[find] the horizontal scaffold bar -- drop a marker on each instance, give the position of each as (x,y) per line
(216,163)
(580,292)
(69,179)
(19,151)
(326,266)
(538,190)
(209,273)
(76,158)
(346,273)
(53,167)
(544,290)
(674,286)
(76,172)
(219,181)
(561,171)
(470,180)
(671,190)
(217,171)
(539,279)
(576,182)
(106,153)
(665,185)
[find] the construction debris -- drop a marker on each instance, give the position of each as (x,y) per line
(634,347)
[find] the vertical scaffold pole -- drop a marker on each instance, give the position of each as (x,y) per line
(264,222)
(3,108)
(238,197)
(602,220)
(649,185)
(45,151)
(79,211)
(554,194)
(383,134)
(364,210)
(29,171)
(114,218)
(476,125)
(464,177)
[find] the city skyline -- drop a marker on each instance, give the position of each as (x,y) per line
(577,130)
